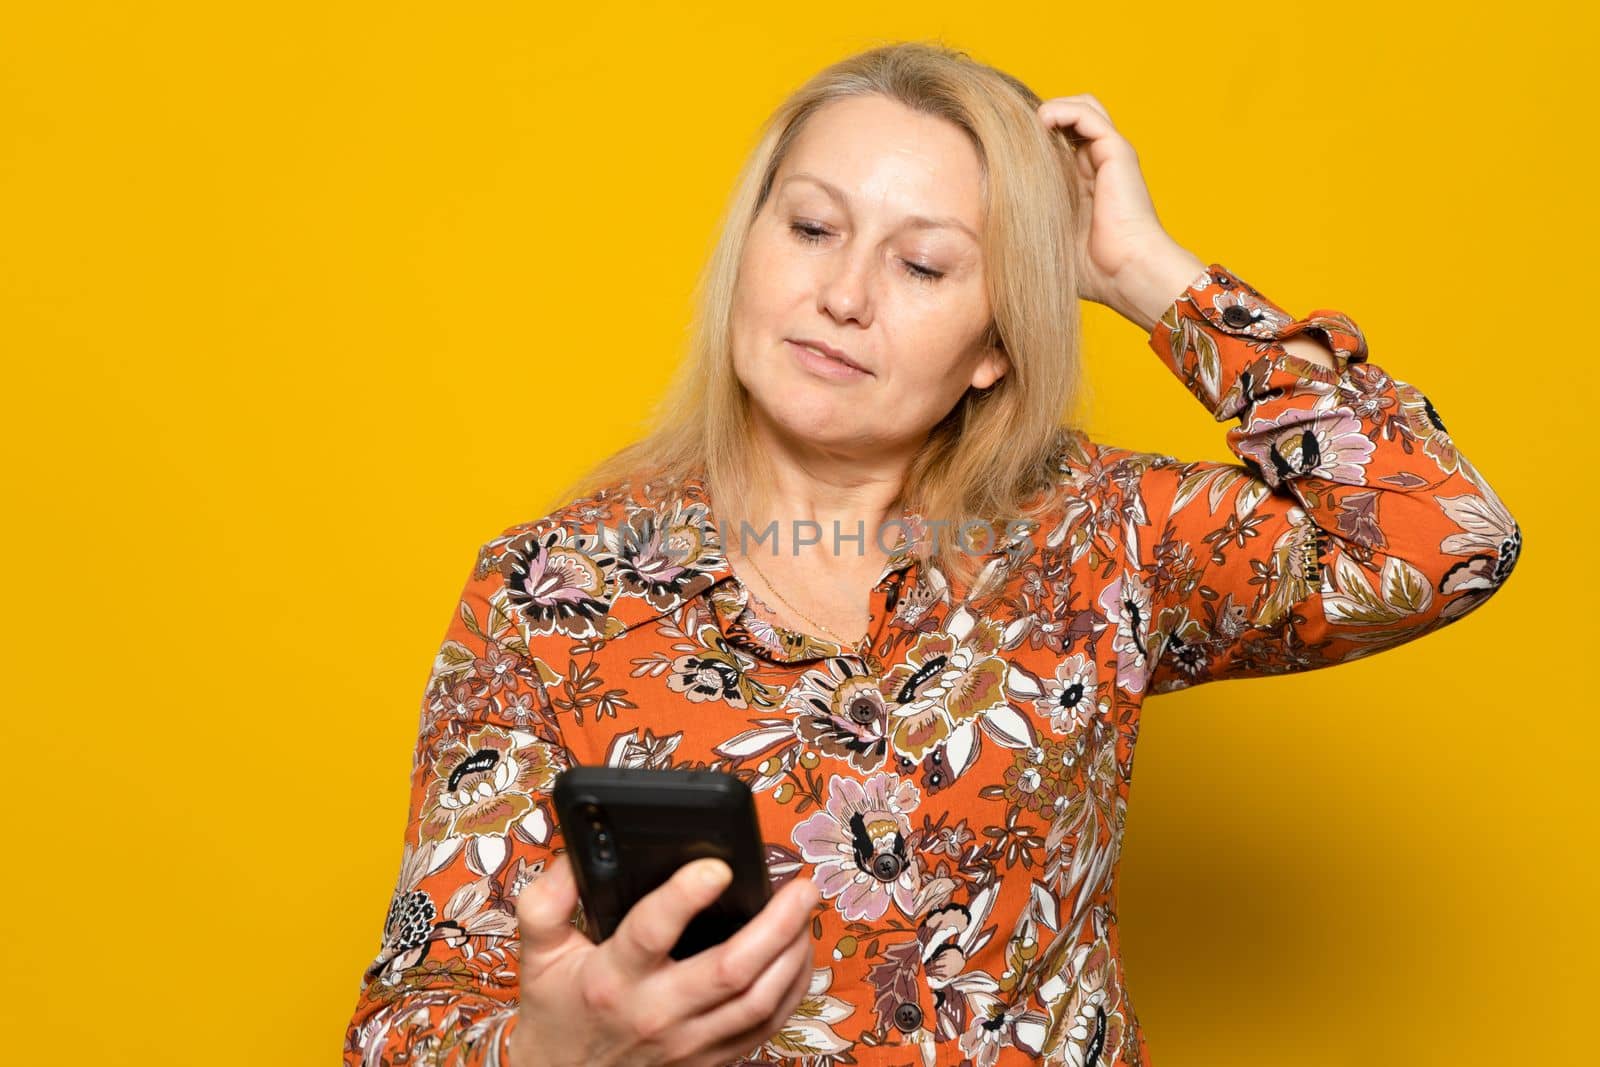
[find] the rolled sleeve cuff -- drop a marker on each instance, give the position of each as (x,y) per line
(1223,339)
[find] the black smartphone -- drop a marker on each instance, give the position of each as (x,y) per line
(629,829)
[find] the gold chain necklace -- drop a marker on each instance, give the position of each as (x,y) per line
(845,642)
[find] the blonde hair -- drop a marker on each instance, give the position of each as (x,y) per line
(995,455)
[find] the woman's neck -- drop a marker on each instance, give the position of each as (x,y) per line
(835,512)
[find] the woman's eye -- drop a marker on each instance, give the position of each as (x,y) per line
(807,233)
(811,234)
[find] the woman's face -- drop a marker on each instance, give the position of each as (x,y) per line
(839,256)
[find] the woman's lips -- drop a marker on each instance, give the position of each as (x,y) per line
(826,366)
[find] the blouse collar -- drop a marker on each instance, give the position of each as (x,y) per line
(691,562)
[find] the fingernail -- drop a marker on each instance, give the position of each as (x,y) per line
(715,872)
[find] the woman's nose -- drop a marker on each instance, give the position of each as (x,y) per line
(844,290)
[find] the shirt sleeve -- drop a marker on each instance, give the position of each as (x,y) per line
(443,988)
(1352,523)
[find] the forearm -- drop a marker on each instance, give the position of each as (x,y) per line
(1155,280)
(1152,282)
(1351,523)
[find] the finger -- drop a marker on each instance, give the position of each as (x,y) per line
(724,971)
(1076,140)
(545,907)
(748,1020)
(1095,141)
(746,1044)
(799,987)
(1094,102)
(1094,126)
(1087,100)
(652,926)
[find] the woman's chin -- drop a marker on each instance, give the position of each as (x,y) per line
(828,425)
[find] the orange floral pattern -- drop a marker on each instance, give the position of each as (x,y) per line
(958,786)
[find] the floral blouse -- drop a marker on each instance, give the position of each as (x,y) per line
(957,787)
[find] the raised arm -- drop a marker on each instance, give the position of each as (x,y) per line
(1351,524)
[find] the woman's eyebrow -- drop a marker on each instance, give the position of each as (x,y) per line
(921,222)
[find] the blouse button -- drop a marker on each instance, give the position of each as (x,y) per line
(1237,316)
(908,1016)
(863,711)
(886,866)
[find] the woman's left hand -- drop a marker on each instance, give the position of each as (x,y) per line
(1123,228)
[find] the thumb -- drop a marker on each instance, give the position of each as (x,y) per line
(544,911)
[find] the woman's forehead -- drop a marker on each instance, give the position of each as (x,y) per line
(873,154)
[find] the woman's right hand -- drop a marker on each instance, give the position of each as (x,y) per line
(627,1001)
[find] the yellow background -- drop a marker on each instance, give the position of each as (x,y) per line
(300,304)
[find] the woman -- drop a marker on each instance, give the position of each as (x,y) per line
(939,731)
